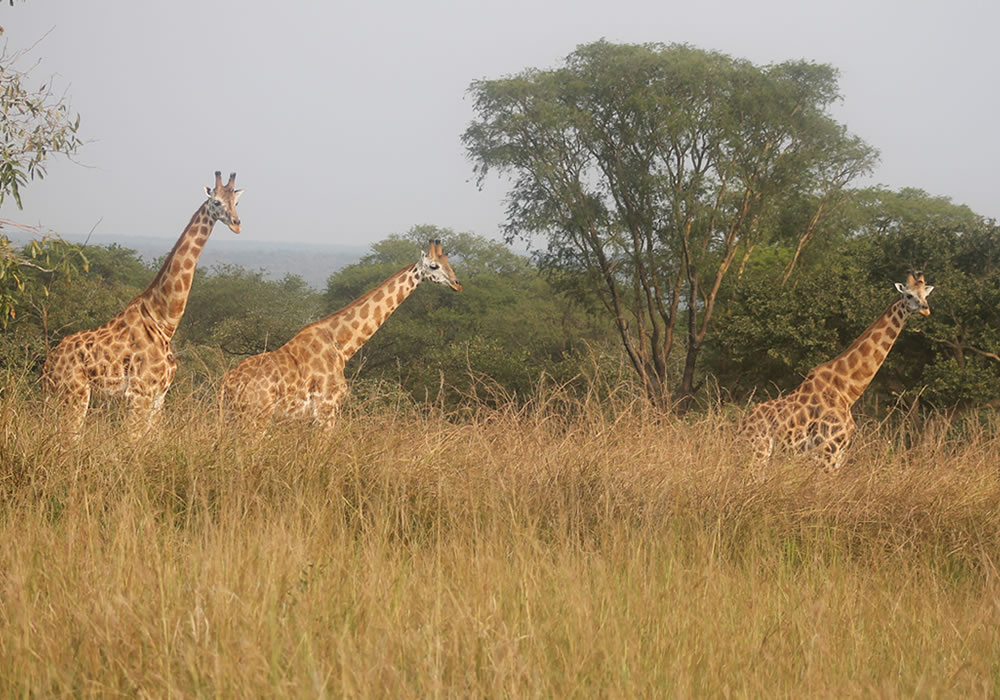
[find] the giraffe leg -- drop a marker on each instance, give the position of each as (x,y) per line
(762,447)
(840,441)
(143,411)
(71,399)
(831,439)
(758,438)
(326,412)
(156,412)
(139,419)
(76,405)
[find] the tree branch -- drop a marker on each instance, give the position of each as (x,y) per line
(959,346)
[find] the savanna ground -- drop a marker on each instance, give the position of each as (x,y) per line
(564,548)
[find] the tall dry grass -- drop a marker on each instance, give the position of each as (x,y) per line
(564,548)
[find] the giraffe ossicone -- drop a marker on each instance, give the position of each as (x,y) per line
(130,355)
(816,416)
(304,378)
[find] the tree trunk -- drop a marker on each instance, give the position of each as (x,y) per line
(687,388)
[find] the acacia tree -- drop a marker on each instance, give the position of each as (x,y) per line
(651,169)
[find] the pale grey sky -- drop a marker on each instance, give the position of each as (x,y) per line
(343,120)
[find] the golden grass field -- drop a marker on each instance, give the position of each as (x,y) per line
(567,548)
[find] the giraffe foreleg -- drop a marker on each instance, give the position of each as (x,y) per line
(839,442)
(762,447)
(75,405)
(70,397)
(757,434)
(828,451)
(141,413)
(329,406)
(145,403)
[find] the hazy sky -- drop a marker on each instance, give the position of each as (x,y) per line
(343,120)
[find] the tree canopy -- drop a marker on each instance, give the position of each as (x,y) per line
(652,170)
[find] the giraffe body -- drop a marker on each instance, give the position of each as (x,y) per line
(816,416)
(304,378)
(130,355)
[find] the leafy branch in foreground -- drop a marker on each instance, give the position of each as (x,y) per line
(33,125)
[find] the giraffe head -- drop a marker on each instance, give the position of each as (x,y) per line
(222,202)
(433,265)
(915,293)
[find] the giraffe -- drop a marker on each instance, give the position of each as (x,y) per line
(130,355)
(817,415)
(305,376)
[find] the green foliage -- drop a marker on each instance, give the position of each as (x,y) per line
(52,288)
(770,335)
(650,168)
(956,355)
(243,313)
(503,331)
(34,124)
(115,264)
(29,271)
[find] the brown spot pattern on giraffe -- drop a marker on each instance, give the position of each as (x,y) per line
(348,329)
(129,354)
(828,424)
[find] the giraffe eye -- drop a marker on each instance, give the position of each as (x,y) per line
(217,202)
(434,266)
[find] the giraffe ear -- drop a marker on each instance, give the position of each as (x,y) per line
(208,191)
(928,289)
(236,195)
(900,288)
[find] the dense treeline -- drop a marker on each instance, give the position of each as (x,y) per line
(697,230)
(510,327)
(771,333)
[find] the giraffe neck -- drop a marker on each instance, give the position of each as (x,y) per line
(166,297)
(354,324)
(857,365)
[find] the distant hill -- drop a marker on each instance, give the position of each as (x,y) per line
(313,262)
